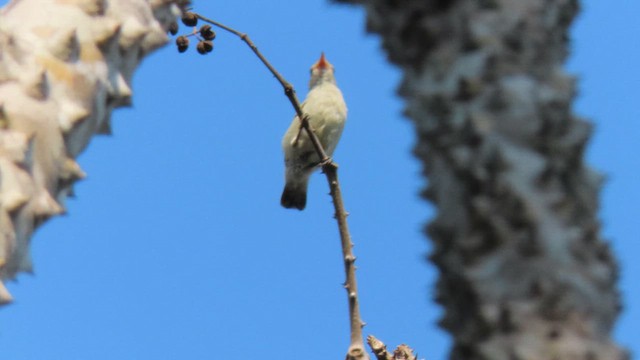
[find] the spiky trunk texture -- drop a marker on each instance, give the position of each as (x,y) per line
(524,273)
(64,66)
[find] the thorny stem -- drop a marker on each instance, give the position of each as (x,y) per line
(356,348)
(331,171)
(379,348)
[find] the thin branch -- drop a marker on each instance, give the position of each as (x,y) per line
(356,348)
(289,91)
(331,171)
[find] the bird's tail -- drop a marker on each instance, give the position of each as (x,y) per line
(294,195)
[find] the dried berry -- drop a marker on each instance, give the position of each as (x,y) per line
(204,47)
(207,33)
(183,43)
(200,48)
(173,28)
(189,19)
(208,45)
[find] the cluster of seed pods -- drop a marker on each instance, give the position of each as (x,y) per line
(204,34)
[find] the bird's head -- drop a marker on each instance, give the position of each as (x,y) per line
(321,71)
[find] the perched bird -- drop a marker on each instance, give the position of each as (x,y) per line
(327,114)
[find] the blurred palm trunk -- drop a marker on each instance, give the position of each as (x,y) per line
(524,272)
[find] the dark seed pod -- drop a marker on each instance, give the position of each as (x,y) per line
(189,19)
(183,43)
(207,33)
(208,45)
(173,28)
(200,48)
(204,47)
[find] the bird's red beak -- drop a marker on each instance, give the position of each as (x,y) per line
(322,63)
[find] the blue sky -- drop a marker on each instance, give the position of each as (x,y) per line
(176,246)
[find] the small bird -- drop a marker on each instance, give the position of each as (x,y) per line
(327,113)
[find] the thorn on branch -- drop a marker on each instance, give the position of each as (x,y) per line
(402,352)
(379,348)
